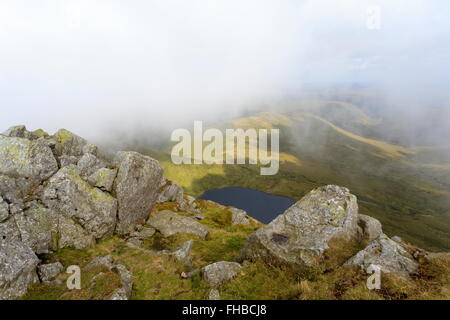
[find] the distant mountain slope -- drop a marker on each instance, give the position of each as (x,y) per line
(408,189)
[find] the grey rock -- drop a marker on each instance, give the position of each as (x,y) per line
(136,188)
(19,131)
(38,228)
(48,272)
(106,261)
(90,148)
(170,191)
(89,164)
(66,160)
(9,230)
(238,217)
(388,254)
(72,235)
(93,209)
(169,223)
(181,254)
(17,269)
(135,241)
(215,274)
(124,292)
(213,294)
(300,235)
(397,239)
(14,190)
(103,179)
(4,210)
(20,157)
(199,216)
(144,233)
(368,228)
(68,144)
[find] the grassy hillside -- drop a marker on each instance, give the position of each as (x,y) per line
(407,189)
(159,277)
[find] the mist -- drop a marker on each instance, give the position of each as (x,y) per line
(104,69)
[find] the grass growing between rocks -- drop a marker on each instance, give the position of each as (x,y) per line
(159,276)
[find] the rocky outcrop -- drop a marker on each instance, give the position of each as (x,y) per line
(300,235)
(136,188)
(60,191)
(389,255)
(17,269)
(31,159)
(169,223)
(68,194)
(239,217)
(216,273)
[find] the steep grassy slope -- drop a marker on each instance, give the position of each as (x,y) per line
(407,189)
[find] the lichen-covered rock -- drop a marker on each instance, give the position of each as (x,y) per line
(68,194)
(388,254)
(72,235)
(17,269)
(9,230)
(238,217)
(38,228)
(88,164)
(14,190)
(103,178)
(68,143)
(21,131)
(169,223)
(48,272)
(216,273)
(136,188)
(170,191)
(4,210)
(300,235)
(368,228)
(20,157)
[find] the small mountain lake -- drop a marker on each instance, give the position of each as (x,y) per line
(262,206)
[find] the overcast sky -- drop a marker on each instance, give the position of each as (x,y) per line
(87,65)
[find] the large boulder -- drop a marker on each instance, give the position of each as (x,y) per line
(300,235)
(20,157)
(136,188)
(389,255)
(17,269)
(169,223)
(68,194)
(216,273)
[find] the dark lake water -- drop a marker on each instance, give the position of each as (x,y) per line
(259,205)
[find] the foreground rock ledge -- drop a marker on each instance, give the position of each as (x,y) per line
(300,235)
